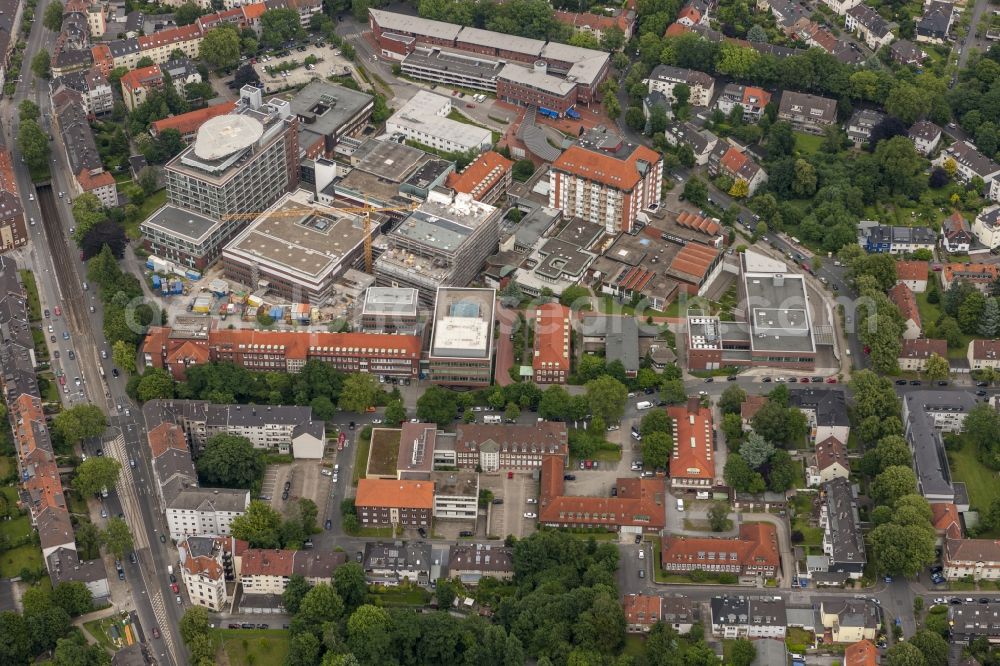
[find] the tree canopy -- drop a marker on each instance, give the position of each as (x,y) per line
(230,461)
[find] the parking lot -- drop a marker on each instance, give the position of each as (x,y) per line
(331,63)
(508,518)
(306,482)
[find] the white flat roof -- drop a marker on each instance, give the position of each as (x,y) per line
(225,135)
(420,114)
(405,23)
(537,79)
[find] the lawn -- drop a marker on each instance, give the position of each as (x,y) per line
(982,483)
(23,557)
(812,536)
(246,647)
(99,630)
(148,207)
(807,143)
(400,596)
(610,305)
(799,640)
(7,466)
(931,312)
(635,645)
(361,459)
(34,306)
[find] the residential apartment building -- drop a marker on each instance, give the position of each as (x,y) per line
(986,227)
(830,462)
(913,274)
(969,162)
(702,142)
(553,332)
(926,415)
(848,619)
(486,179)
(729,160)
(925,135)
(807,113)
(980,276)
(138,83)
(898,240)
(474,561)
(642,611)
(13,230)
(869,26)
(748,617)
(692,461)
(859,127)
(664,78)
(93,87)
(456,495)
(935,24)
(956,237)
(751,99)
(843,542)
(906,303)
(207,564)
(753,552)
(970,622)
(89,176)
(840,7)
(984,354)
(607,183)
(267,571)
(393,563)
(511,446)
(914,354)
(240,163)
(978,559)
(394,502)
(639,507)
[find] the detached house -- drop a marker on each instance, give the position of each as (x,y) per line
(955,234)
(905,52)
(969,162)
(924,134)
(729,160)
(868,25)
(642,611)
(913,274)
(849,620)
(903,298)
(935,24)
(859,127)
(986,227)
(914,353)
(753,100)
(807,113)
(830,462)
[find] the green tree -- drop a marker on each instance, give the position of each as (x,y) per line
(982,426)
(96,473)
(555,403)
(117,537)
(155,383)
(756,450)
(575,296)
(368,634)
(41,65)
(80,422)
(303,650)
(781,471)
(656,449)
(742,652)
(718,517)
(395,413)
(279,26)
(931,646)
(28,110)
(989,321)
(512,412)
(655,420)
(320,606)
(88,212)
(350,584)
(732,399)
(220,47)
(73,597)
(696,191)
(194,623)
(123,354)
(34,146)
(359,392)
(187,13)
(732,427)
(258,526)
(673,392)
(230,461)
(15,647)
(894,482)
(740,476)
(74,651)
(53,16)
(436,405)
(907,102)
(904,654)
(294,592)
(606,397)
(781,139)
(937,368)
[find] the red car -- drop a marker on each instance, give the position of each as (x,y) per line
(174,588)
(57,310)
(510,475)
(804,380)
(831,380)
(62,380)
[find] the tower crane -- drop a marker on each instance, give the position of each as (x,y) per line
(302,211)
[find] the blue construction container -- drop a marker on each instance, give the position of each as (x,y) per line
(548,112)
(573,113)
(277,312)
(192,275)
(176,287)
(156,282)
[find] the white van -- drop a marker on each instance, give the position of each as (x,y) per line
(492,418)
(643,404)
(680,505)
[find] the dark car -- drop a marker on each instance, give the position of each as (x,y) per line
(981,393)
(173,578)
(422,532)
(359,556)
(132,558)
(984,600)
(263,626)
(114,372)
(233,625)
(955,601)
(638,538)
(766,380)
(709,380)
(498,500)
(731,378)
(247,625)
(942,383)
(900,382)
(72,354)
(937,568)
(351,425)
(982,383)
(914,382)
(466,533)
(650,391)
(163,538)
(614,491)
(284,495)
(328,524)
(569,477)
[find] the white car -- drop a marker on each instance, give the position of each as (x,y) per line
(532,500)
(326,472)
(528,514)
(376,421)
(642,554)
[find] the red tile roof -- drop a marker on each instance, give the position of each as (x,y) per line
(90,181)
(675,29)
(912,270)
(609,170)
(170,36)
(944,516)
(923,348)
(392,493)
(862,653)
(142,78)
(640,502)
(642,608)
(903,298)
(691,13)
(552,337)
(267,562)
(733,160)
(694,221)
(974,273)
(7,181)
(753,96)
(481,175)
(188,123)
(254,11)
(693,261)
(166,436)
(752,405)
(986,349)
(204,565)
(692,457)
(755,547)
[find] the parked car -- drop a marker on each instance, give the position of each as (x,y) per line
(528,514)
(156,632)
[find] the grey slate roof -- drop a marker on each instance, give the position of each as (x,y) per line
(845,527)
(829,405)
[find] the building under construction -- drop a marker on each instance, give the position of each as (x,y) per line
(443,243)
